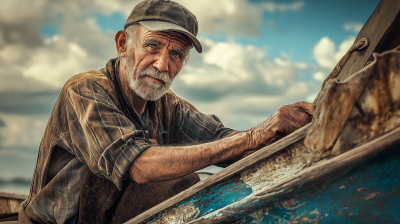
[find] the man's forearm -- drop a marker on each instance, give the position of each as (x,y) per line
(167,163)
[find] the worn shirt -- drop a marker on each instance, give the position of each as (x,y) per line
(93,124)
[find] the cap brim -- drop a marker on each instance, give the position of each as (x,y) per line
(158,26)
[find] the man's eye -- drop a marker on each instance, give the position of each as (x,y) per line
(176,55)
(152,46)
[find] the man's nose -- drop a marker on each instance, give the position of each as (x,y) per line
(161,62)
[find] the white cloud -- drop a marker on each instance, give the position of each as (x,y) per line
(234,63)
(353,26)
(326,53)
(22,130)
(320,76)
(27,11)
(226,16)
(222,16)
(273,6)
(240,84)
(327,56)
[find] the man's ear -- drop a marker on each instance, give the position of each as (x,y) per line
(120,42)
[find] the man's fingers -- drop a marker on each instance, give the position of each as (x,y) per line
(296,115)
(300,116)
(309,108)
(285,120)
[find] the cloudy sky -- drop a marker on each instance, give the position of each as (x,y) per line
(257,56)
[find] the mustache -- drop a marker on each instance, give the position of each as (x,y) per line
(155,73)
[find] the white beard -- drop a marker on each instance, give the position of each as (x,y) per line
(147,91)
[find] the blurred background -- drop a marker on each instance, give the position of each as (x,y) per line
(258,55)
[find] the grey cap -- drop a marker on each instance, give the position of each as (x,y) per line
(165,15)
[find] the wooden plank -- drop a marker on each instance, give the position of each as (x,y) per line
(306,179)
(244,164)
(8,217)
(8,205)
(382,31)
(13,196)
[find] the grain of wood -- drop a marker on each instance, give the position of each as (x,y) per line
(380,29)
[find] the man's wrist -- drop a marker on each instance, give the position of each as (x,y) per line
(249,136)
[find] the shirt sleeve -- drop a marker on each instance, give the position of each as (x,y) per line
(194,126)
(104,138)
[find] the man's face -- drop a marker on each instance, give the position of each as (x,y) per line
(152,61)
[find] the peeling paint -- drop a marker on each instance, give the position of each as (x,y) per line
(181,214)
(279,167)
(361,188)
(292,204)
(371,195)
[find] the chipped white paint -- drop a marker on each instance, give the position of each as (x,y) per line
(181,214)
(279,167)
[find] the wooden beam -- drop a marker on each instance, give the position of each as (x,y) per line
(382,31)
(13,196)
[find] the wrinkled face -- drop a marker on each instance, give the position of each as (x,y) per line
(152,61)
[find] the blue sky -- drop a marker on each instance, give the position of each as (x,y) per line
(258,55)
(294,32)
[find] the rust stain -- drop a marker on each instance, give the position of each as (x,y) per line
(341,187)
(371,195)
(314,221)
(304,219)
(253,215)
(289,204)
(299,220)
(266,211)
(360,189)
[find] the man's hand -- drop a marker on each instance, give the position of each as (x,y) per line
(284,121)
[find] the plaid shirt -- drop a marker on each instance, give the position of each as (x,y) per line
(93,124)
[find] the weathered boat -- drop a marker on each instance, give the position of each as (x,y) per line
(342,168)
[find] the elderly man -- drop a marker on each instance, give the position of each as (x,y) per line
(124,126)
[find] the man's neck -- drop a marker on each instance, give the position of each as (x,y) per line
(138,104)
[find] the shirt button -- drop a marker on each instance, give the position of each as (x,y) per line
(146,132)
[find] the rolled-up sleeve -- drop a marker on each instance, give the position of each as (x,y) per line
(103,137)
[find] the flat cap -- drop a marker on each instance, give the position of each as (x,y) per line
(165,15)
